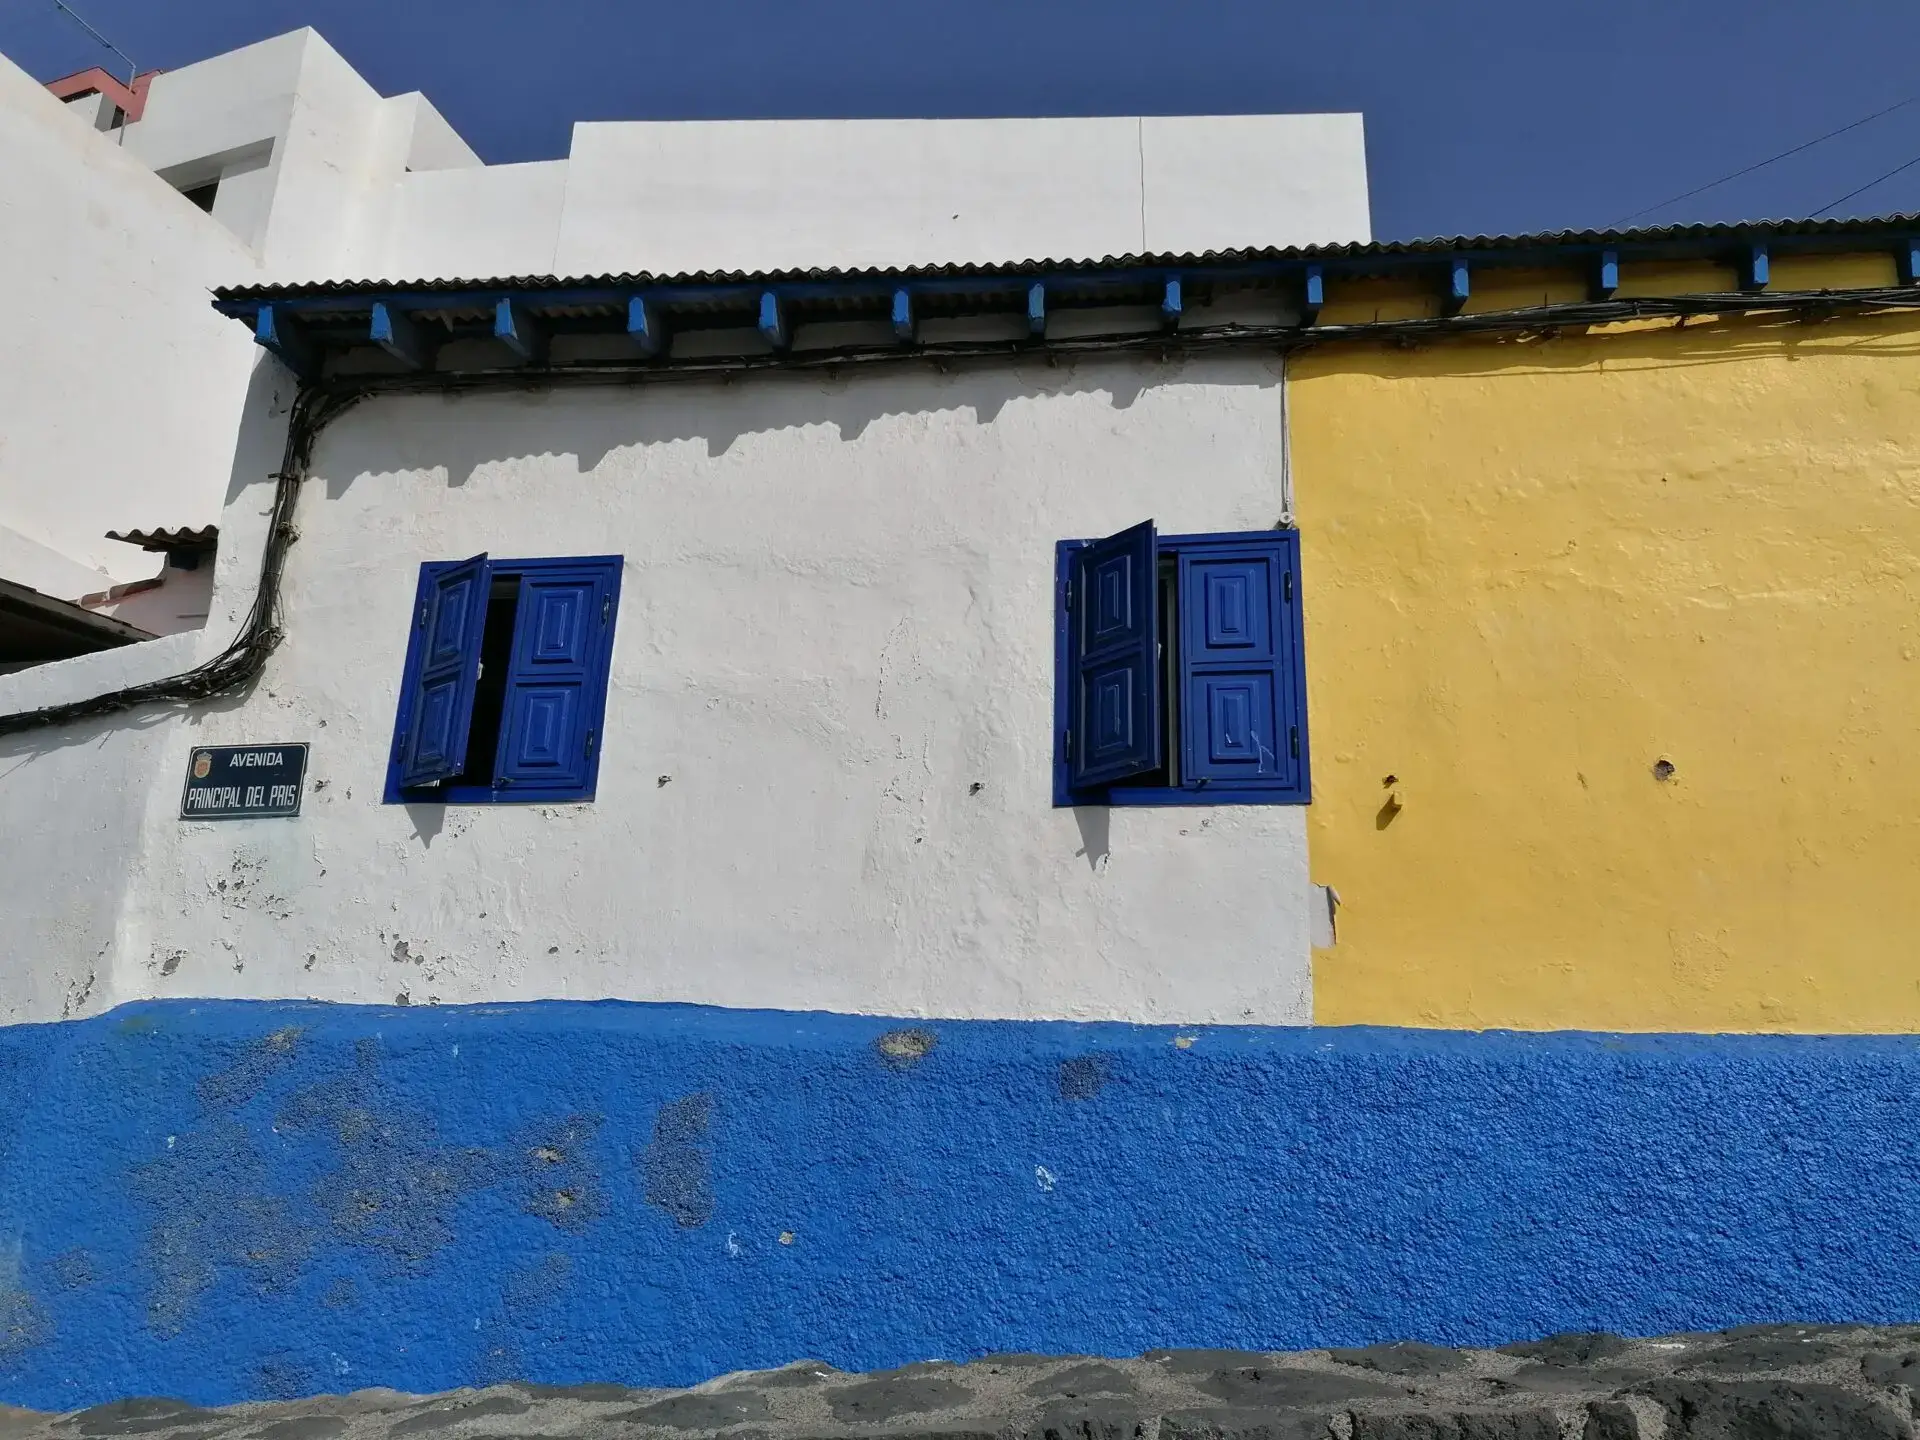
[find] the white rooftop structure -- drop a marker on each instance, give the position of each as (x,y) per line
(279,162)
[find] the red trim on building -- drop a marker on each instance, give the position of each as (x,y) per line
(132,99)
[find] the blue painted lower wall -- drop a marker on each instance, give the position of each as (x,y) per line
(225,1201)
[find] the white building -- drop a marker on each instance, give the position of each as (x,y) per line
(828,701)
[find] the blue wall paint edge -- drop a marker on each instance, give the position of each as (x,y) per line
(229,1200)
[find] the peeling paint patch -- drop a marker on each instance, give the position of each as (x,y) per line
(563,1185)
(1084,1076)
(678,1165)
(903,1049)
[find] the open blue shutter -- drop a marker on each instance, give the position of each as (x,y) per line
(1113,602)
(562,637)
(1242,719)
(436,705)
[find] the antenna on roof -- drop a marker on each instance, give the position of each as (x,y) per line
(81,20)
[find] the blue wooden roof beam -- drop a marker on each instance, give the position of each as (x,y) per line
(645,329)
(1313,293)
(517,328)
(905,327)
(773,320)
(1170,303)
(400,335)
(282,335)
(1906,260)
(1037,309)
(1753,267)
(1606,275)
(1459,287)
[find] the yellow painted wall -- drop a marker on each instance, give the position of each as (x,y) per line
(1535,569)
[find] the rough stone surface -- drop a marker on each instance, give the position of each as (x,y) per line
(1757,1383)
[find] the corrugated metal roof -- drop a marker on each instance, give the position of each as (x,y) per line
(182,538)
(1884,227)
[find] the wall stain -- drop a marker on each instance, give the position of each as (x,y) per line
(393,1187)
(213,1211)
(23,1323)
(534,1287)
(1083,1077)
(562,1185)
(678,1164)
(283,1375)
(73,1269)
(258,1063)
(342,1294)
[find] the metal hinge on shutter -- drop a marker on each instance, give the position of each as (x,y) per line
(606,611)
(423,615)
(1286,587)
(589,742)
(1066,737)
(1293,740)
(1066,596)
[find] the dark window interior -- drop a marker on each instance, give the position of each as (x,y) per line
(202,195)
(490,693)
(1168,772)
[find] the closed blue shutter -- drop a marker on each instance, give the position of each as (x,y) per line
(1242,719)
(443,664)
(562,639)
(1113,602)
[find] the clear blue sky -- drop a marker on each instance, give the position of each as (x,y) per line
(1500,115)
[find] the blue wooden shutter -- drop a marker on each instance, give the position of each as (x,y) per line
(562,640)
(1113,605)
(436,702)
(1242,718)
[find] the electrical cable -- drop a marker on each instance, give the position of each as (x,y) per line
(1761,165)
(236,665)
(1864,188)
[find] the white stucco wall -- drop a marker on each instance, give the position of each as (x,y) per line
(762,194)
(120,389)
(837,618)
(501,220)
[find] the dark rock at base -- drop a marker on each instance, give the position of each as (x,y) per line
(796,1376)
(1571,1380)
(1199,1362)
(1902,1368)
(440,1417)
(1575,1347)
(1765,1410)
(1406,1357)
(1784,1332)
(1243,1425)
(709,1410)
(907,1391)
(1287,1388)
(1089,1422)
(1764,1352)
(1091,1378)
(1611,1420)
(590,1394)
(303,1427)
(1460,1425)
(138,1417)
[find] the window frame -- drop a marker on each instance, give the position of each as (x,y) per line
(593,694)
(1190,792)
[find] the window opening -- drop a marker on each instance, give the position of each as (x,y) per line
(202,195)
(490,691)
